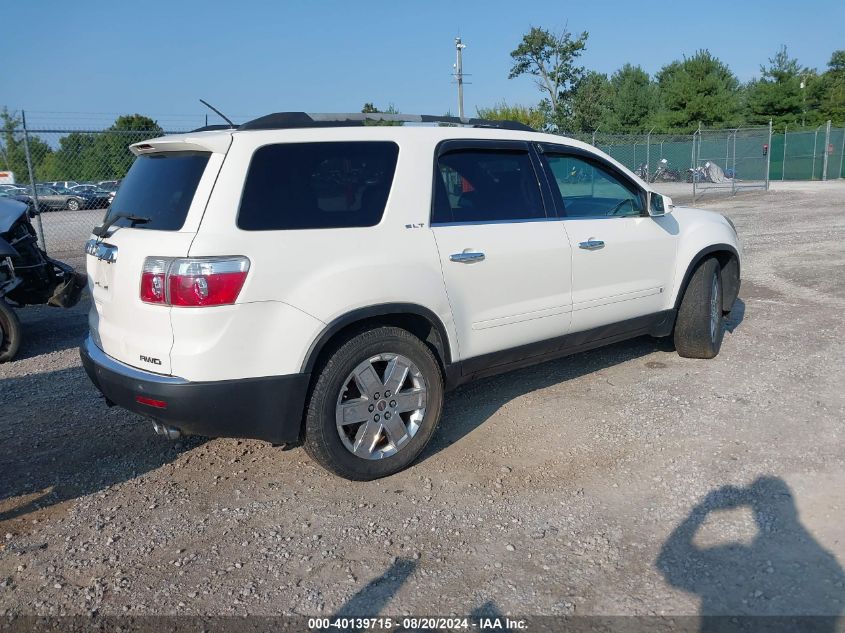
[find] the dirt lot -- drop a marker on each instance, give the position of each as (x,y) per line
(590,485)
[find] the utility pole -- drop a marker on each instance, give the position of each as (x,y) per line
(803,100)
(459,74)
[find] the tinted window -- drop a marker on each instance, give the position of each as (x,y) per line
(160,187)
(486,186)
(590,190)
(317,185)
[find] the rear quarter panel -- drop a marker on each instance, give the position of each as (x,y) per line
(123,326)
(320,274)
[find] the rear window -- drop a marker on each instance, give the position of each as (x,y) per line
(317,185)
(160,187)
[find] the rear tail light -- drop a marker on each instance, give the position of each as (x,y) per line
(154,279)
(193,282)
(206,282)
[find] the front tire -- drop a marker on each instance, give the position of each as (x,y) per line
(74,205)
(375,405)
(10,332)
(699,328)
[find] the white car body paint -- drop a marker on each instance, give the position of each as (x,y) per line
(535,282)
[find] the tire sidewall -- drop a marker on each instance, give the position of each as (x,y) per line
(708,270)
(10,337)
(692,336)
(321,416)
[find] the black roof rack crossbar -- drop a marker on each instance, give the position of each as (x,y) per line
(294,120)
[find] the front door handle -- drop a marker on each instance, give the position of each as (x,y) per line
(467,257)
(591,245)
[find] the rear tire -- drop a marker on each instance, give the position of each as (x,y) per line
(699,328)
(10,332)
(74,205)
(397,422)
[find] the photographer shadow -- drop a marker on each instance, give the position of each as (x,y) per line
(784,580)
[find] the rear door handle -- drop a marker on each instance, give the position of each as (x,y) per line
(467,257)
(591,245)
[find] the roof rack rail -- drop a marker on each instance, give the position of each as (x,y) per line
(209,128)
(293,120)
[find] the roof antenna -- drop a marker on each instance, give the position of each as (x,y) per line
(220,114)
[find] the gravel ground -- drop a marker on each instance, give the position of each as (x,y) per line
(621,481)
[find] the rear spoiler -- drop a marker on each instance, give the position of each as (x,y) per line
(216,142)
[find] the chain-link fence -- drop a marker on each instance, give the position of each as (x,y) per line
(654,158)
(809,154)
(72,175)
(728,160)
(706,161)
(731,159)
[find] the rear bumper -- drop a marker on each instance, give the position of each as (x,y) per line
(269,408)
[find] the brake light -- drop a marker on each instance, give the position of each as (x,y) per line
(206,282)
(154,279)
(193,282)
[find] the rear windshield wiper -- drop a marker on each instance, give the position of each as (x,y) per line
(100,231)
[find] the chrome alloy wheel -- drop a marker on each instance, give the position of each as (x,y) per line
(715,308)
(381,406)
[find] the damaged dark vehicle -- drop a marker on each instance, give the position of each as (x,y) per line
(27,275)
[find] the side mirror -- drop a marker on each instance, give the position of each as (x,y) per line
(659,205)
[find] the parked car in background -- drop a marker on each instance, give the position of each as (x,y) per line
(95,190)
(110,185)
(56,199)
(12,190)
(64,184)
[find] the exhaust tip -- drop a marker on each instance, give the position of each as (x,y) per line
(170,432)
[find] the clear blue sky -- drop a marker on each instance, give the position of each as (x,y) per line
(251,58)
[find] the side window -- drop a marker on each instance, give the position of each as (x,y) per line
(317,185)
(486,186)
(590,190)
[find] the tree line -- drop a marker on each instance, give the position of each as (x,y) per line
(696,89)
(78,155)
(700,89)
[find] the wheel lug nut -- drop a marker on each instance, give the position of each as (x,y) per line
(387,394)
(393,403)
(376,395)
(371,408)
(376,417)
(387,415)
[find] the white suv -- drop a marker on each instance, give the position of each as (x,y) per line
(309,279)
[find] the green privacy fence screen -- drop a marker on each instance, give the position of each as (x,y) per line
(804,154)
